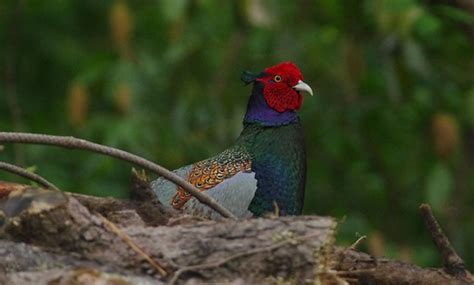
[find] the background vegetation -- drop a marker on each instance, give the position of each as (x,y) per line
(391,125)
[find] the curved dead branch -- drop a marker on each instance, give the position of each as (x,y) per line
(26,174)
(75,143)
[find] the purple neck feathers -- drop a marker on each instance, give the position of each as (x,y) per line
(259,112)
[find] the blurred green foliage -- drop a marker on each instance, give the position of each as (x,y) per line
(391,125)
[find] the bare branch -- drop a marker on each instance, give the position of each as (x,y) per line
(75,143)
(26,174)
(453,264)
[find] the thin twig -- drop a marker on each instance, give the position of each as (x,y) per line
(357,242)
(26,174)
(222,261)
(75,143)
(453,264)
(134,246)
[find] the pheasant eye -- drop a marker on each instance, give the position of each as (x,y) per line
(277,78)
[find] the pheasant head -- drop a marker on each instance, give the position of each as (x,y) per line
(276,95)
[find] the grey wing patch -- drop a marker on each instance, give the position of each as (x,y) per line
(165,190)
(234,194)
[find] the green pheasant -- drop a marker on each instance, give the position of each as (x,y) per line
(267,163)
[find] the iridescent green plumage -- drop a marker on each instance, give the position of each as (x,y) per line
(279,162)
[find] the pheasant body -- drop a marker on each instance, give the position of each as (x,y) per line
(266,165)
(279,163)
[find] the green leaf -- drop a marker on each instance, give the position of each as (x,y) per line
(428,26)
(173,9)
(415,58)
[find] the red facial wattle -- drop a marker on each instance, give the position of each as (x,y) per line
(279,82)
(280,96)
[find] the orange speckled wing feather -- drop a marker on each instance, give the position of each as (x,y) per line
(208,173)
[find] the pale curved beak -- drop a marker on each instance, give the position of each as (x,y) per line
(301,86)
